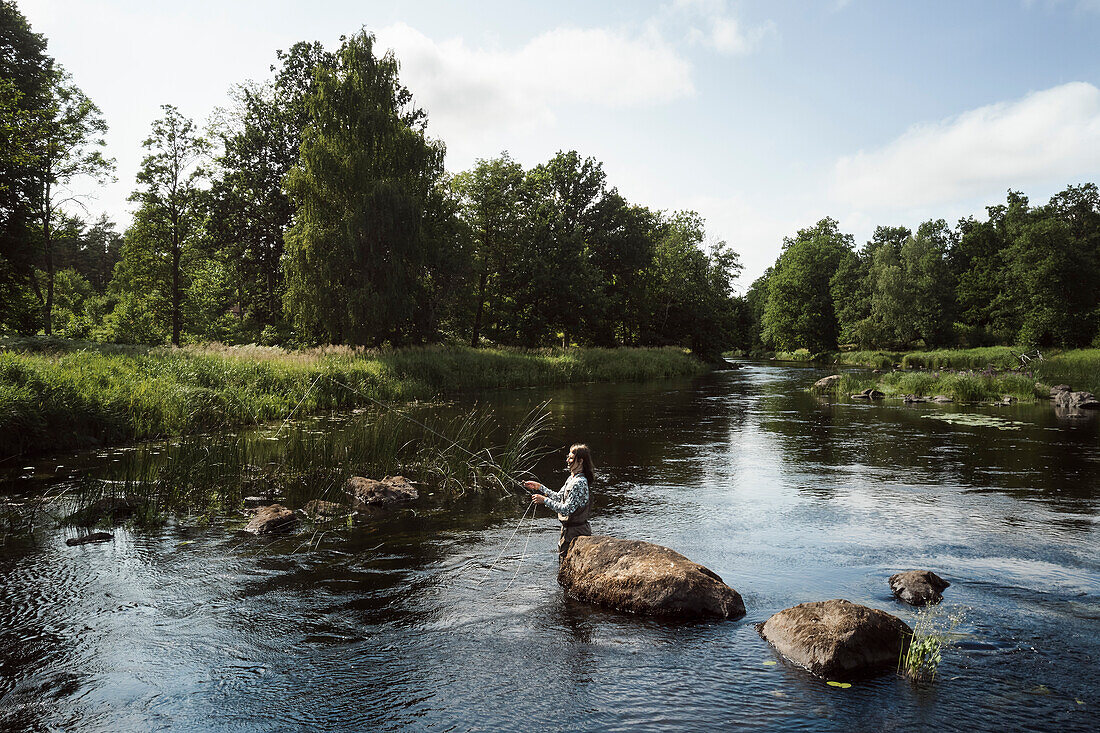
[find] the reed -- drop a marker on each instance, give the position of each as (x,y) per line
(204,478)
(58,395)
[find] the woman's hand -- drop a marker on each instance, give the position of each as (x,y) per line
(532,485)
(538,498)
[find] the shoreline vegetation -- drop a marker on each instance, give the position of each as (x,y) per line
(965,375)
(57,394)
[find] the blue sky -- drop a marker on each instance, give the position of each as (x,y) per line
(762,116)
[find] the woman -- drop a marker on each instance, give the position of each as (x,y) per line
(572,502)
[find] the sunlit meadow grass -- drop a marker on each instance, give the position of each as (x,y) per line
(56,394)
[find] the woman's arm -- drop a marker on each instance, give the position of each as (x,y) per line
(578,497)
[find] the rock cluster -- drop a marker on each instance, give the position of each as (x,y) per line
(869,394)
(640,577)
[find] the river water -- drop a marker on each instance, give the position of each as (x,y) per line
(400,624)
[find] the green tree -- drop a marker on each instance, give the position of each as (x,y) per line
(67,133)
(799,311)
(556,289)
(690,291)
(167,222)
(492,209)
(358,253)
(25,74)
(249,210)
(928,285)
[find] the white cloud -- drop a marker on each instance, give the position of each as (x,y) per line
(468,90)
(712,25)
(1047,136)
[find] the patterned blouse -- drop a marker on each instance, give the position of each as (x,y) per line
(570,497)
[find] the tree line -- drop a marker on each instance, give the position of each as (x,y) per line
(1024,276)
(315,208)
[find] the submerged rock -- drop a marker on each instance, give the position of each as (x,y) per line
(110,509)
(318,509)
(918,587)
(89,538)
(869,394)
(837,639)
(942,399)
(371,492)
(640,577)
(911,399)
(272,519)
(825,384)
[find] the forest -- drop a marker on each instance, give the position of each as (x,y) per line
(315,208)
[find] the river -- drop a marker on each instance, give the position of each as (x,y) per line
(400,624)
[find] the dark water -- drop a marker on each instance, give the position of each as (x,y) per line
(399,625)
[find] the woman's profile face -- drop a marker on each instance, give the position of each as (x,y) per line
(569,460)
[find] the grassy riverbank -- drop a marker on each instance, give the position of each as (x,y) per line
(967,375)
(60,394)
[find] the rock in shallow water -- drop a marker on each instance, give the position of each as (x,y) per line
(319,509)
(918,587)
(640,577)
(838,639)
(89,538)
(1076,401)
(271,520)
(371,492)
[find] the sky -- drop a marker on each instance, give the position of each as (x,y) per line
(762,116)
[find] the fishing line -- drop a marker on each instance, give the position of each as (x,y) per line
(523,555)
(492,565)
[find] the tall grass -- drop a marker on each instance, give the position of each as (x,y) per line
(933,635)
(960,386)
(202,477)
(56,395)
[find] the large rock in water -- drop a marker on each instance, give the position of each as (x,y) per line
(826,384)
(272,520)
(838,639)
(1076,401)
(371,492)
(639,577)
(918,587)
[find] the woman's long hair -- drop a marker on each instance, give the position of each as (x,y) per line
(580,453)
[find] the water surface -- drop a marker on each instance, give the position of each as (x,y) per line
(401,624)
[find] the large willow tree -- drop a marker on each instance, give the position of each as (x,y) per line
(361,249)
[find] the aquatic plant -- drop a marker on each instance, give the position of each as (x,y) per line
(933,635)
(206,477)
